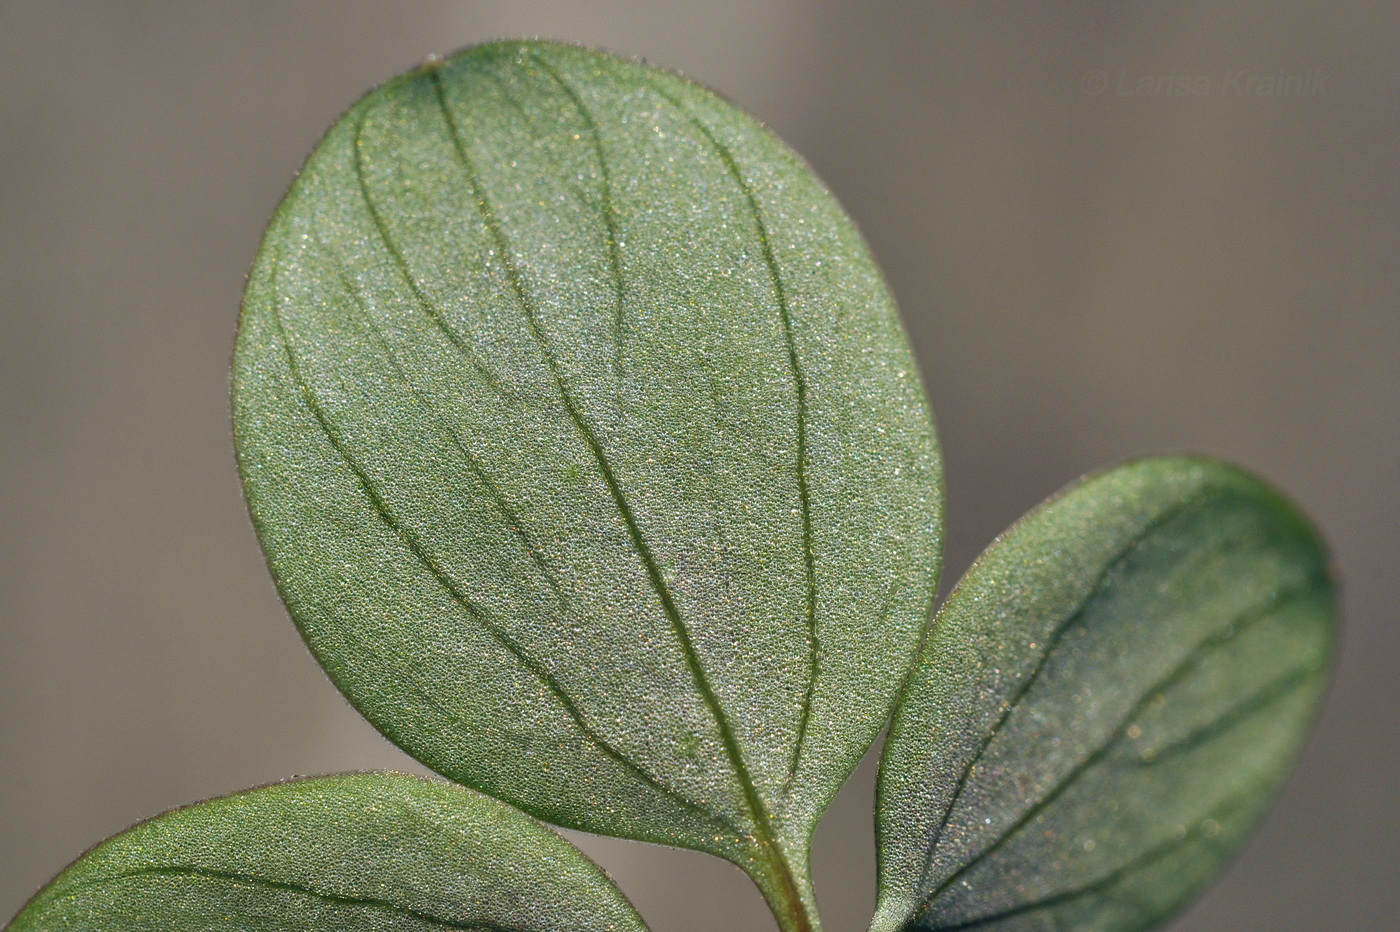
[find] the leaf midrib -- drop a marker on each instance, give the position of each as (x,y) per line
(595,448)
(770,853)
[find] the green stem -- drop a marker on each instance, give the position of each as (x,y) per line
(786,888)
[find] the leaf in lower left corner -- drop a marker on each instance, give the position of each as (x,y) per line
(348,853)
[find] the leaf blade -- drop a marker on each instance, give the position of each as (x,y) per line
(553,401)
(1106,704)
(352,851)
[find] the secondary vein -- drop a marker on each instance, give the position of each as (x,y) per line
(1050,644)
(1275,689)
(608,211)
(400,262)
(639,541)
(1105,882)
(477,612)
(799,379)
(250,880)
(511,519)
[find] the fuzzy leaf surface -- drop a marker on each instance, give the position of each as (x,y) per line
(587,449)
(353,853)
(1105,706)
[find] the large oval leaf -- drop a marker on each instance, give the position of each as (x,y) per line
(587,450)
(367,852)
(1105,705)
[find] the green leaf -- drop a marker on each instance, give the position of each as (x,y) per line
(1105,706)
(587,449)
(352,852)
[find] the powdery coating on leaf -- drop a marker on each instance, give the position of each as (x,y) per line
(352,852)
(1106,705)
(587,449)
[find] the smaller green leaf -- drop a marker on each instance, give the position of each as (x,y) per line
(1105,705)
(351,852)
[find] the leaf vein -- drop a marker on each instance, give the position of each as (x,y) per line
(400,262)
(608,209)
(590,438)
(250,880)
(1051,644)
(1146,859)
(1273,691)
(478,470)
(799,379)
(478,613)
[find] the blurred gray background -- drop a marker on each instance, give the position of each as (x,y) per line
(1091,267)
